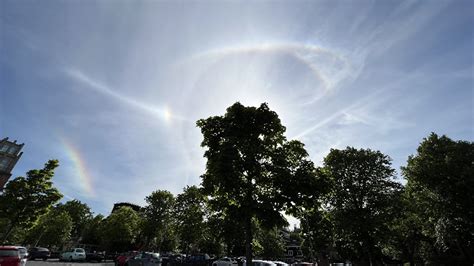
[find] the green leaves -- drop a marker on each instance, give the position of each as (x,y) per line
(120,229)
(252,171)
(440,179)
(52,230)
(158,218)
(25,199)
(358,208)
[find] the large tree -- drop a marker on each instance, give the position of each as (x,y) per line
(252,171)
(52,229)
(80,214)
(272,243)
(158,219)
(440,181)
(91,233)
(25,199)
(190,210)
(120,230)
(360,203)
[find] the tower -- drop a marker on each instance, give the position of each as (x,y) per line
(9,156)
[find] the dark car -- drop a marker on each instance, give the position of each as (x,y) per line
(39,253)
(145,259)
(95,256)
(198,260)
(172,259)
(9,256)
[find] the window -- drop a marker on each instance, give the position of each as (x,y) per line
(4,148)
(12,150)
(4,163)
(290,253)
(9,253)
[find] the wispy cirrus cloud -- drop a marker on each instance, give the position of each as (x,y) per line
(140,74)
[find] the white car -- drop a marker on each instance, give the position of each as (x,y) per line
(74,254)
(280,263)
(261,263)
(225,262)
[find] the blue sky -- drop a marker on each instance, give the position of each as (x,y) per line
(113,88)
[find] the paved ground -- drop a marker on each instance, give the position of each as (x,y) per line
(56,262)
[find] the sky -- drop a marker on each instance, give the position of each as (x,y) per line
(113,89)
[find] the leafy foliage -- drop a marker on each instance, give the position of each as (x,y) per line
(158,220)
(120,230)
(252,171)
(360,203)
(91,234)
(190,212)
(440,179)
(52,230)
(80,214)
(24,200)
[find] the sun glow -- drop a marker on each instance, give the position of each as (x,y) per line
(167,114)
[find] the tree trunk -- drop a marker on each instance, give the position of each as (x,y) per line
(248,240)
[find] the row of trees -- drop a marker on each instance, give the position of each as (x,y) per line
(350,208)
(166,223)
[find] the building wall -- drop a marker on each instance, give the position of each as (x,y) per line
(9,156)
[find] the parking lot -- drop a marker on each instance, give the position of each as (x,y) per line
(56,262)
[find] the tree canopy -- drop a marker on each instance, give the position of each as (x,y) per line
(440,179)
(79,212)
(120,230)
(252,171)
(24,200)
(358,209)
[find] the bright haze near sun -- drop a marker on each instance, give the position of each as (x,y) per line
(113,88)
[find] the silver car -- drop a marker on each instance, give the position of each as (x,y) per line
(145,259)
(23,255)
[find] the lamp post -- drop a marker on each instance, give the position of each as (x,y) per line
(9,156)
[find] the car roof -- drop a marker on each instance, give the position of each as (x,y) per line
(8,247)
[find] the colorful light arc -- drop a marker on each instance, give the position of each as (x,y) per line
(85,179)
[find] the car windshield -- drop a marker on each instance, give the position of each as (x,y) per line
(8,253)
(80,250)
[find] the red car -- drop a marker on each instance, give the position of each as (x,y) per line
(9,256)
(122,259)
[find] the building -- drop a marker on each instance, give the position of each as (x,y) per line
(126,204)
(293,251)
(9,156)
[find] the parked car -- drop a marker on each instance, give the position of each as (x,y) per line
(225,262)
(145,259)
(121,260)
(55,255)
(9,256)
(95,256)
(23,255)
(198,260)
(261,263)
(75,254)
(280,263)
(39,253)
(171,259)
(302,264)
